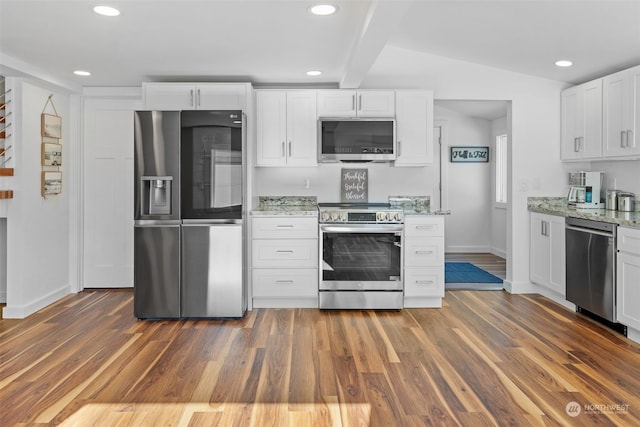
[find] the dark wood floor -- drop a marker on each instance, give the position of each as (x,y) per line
(484,358)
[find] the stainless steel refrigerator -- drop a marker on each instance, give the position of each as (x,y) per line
(189,214)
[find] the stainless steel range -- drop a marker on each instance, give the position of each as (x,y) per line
(361,256)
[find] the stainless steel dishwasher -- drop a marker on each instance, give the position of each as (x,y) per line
(591,266)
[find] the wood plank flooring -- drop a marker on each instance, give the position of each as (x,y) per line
(486,261)
(484,358)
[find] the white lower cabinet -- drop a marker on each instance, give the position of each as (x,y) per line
(547,252)
(284,262)
(628,277)
(423,261)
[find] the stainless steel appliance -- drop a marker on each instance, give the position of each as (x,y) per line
(585,189)
(625,202)
(189,214)
(360,257)
(370,140)
(591,264)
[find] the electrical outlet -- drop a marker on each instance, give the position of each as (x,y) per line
(524,185)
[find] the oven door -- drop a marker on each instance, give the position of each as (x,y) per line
(361,257)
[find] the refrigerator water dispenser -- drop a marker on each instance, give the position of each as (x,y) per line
(156,195)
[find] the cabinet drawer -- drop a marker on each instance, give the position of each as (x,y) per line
(284,228)
(629,240)
(285,283)
(300,253)
(424,282)
(424,252)
(420,226)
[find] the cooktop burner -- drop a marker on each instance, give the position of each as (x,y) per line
(372,213)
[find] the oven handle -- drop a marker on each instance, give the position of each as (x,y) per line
(377,228)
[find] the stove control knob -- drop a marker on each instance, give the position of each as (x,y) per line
(334,216)
(395,216)
(324,216)
(342,217)
(381,216)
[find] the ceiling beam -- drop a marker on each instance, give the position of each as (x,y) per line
(381,21)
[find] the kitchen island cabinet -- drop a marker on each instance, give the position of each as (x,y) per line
(285,261)
(423,261)
(286,128)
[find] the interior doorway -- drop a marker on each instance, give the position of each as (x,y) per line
(477,226)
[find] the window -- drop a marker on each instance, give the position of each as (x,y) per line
(501,169)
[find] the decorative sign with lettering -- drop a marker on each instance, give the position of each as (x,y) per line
(354,185)
(469,154)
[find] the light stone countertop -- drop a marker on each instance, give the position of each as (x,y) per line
(286,205)
(558,206)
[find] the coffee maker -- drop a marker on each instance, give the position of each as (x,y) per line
(584,190)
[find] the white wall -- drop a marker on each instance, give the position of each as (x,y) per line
(468,185)
(38,242)
(535,125)
(620,175)
(3,260)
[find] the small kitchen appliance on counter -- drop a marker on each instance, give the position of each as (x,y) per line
(625,202)
(361,256)
(585,189)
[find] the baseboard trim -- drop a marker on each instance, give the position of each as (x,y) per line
(467,249)
(22,311)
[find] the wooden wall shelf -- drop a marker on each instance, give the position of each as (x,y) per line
(6,171)
(6,194)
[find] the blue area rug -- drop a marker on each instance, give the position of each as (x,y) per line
(465,272)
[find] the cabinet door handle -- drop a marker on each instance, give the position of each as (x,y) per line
(424,252)
(284,226)
(353,102)
(191,94)
(359,102)
(623,137)
(630,141)
(198,98)
(284,282)
(425,227)
(581,140)
(289,148)
(576,145)
(424,282)
(284,251)
(398,148)
(543,228)
(283,152)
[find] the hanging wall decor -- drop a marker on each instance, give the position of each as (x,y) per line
(51,132)
(469,154)
(354,185)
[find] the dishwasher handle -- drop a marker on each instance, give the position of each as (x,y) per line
(590,231)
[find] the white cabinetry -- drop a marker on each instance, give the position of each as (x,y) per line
(423,261)
(285,261)
(414,128)
(356,103)
(547,252)
(582,121)
(621,114)
(196,96)
(628,277)
(286,128)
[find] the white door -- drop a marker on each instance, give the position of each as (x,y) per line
(108,194)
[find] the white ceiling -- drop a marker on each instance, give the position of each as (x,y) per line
(269,42)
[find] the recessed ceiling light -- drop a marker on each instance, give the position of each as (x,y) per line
(106,10)
(564,63)
(314,73)
(323,9)
(81,73)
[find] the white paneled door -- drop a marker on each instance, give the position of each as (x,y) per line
(108,194)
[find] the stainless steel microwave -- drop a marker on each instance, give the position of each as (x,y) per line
(356,140)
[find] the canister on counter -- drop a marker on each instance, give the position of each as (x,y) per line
(611,202)
(625,202)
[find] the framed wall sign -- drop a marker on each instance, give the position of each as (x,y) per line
(469,154)
(51,183)
(354,185)
(51,126)
(51,154)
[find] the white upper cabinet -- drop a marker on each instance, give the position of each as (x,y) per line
(196,96)
(621,114)
(286,128)
(582,121)
(414,128)
(356,103)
